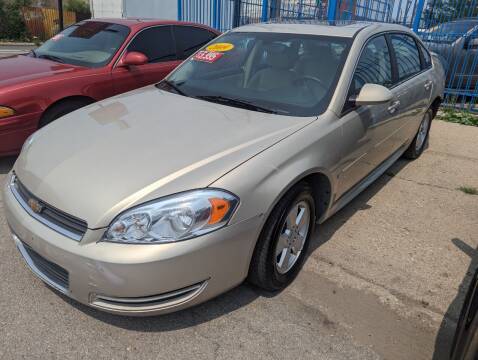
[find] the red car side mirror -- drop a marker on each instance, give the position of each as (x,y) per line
(133,58)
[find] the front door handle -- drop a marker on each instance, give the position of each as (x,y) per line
(392,108)
(428,85)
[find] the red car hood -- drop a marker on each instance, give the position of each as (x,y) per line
(21,68)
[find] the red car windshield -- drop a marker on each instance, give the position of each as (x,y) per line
(89,43)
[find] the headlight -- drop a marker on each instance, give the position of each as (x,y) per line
(6,112)
(178,217)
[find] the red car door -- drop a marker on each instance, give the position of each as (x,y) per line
(157,43)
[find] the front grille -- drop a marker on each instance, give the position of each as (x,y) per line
(53,272)
(50,216)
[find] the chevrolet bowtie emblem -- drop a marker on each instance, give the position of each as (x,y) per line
(35,205)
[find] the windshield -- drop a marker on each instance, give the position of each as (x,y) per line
(89,43)
(455,27)
(449,32)
(290,74)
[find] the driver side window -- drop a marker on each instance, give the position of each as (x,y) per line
(374,67)
(156,43)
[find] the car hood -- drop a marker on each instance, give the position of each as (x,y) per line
(21,68)
(100,160)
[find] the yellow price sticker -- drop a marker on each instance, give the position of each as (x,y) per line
(220,47)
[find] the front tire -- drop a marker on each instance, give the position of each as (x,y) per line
(282,246)
(60,109)
(421,138)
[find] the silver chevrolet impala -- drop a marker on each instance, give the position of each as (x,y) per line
(166,196)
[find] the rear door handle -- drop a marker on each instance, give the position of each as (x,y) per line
(392,108)
(428,85)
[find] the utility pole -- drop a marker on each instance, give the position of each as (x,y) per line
(60,14)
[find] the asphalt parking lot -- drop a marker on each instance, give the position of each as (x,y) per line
(9,50)
(384,280)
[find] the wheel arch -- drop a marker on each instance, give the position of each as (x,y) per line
(322,189)
(86,99)
(435,105)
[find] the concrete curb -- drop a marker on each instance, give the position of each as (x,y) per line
(16,44)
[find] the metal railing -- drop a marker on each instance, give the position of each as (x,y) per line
(448,27)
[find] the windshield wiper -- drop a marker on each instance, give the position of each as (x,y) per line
(171,85)
(33,52)
(51,57)
(236,102)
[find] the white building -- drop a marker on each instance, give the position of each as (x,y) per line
(155,9)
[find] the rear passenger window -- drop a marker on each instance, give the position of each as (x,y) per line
(189,39)
(408,57)
(156,43)
(427,61)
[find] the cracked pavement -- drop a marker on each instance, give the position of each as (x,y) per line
(385,279)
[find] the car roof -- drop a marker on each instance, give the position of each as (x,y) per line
(348,29)
(139,23)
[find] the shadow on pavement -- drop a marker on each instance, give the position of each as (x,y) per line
(360,203)
(243,294)
(447,328)
(202,313)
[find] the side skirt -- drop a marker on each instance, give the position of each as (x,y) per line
(365,182)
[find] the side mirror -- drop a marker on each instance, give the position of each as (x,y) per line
(373,94)
(133,58)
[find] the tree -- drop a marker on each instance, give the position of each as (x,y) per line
(78,6)
(2,19)
(12,25)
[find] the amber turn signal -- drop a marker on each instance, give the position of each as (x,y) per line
(6,112)
(219,209)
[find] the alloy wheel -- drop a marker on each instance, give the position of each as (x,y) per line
(422,132)
(292,237)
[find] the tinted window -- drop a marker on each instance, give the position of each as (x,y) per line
(156,43)
(406,52)
(374,67)
(289,74)
(89,43)
(190,39)
(427,61)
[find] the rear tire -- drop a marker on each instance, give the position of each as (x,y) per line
(421,138)
(281,240)
(60,109)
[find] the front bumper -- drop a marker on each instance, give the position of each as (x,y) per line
(15,130)
(136,279)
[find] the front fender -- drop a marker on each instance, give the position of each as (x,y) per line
(262,181)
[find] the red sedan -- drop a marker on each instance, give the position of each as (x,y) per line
(87,62)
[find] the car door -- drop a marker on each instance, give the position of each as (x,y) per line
(191,38)
(426,62)
(157,43)
(416,83)
(367,128)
